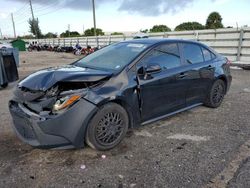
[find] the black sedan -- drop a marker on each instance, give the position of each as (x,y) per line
(97,99)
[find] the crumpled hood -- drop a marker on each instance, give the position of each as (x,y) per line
(46,78)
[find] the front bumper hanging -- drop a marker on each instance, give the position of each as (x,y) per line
(65,130)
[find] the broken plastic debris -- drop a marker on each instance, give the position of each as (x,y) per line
(247,90)
(83,167)
(132,185)
(103,156)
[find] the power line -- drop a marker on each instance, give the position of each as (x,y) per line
(9,23)
(18,23)
(50,12)
(20,9)
(23,19)
(24,14)
(21,12)
(47,7)
(20,18)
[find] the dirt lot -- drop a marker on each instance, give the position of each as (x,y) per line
(202,147)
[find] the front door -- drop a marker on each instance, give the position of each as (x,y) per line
(162,91)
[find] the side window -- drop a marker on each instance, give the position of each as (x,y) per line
(207,54)
(213,56)
(192,53)
(167,56)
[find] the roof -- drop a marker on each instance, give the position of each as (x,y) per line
(157,41)
(17,40)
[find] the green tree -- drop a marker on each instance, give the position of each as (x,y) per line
(116,33)
(159,28)
(214,21)
(144,30)
(90,32)
(68,33)
(189,26)
(50,35)
(34,28)
(26,37)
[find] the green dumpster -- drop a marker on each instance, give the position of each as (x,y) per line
(19,43)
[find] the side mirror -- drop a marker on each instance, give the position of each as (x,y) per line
(153,68)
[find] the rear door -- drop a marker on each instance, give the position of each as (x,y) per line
(164,91)
(199,71)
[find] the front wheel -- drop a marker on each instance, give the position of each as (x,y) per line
(107,127)
(216,94)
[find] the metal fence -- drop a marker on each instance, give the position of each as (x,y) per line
(232,42)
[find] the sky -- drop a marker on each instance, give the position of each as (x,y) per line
(117,15)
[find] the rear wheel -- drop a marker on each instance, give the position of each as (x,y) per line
(108,127)
(216,94)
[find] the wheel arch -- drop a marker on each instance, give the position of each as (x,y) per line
(224,79)
(127,107)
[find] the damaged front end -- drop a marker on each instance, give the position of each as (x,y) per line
(55,99)
(57,115)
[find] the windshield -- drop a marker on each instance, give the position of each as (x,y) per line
(113,57)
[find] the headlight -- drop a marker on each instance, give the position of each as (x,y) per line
(65,102)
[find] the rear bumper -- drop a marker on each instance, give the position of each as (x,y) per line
(65,130)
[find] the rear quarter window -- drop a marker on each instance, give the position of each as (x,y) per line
(207,54)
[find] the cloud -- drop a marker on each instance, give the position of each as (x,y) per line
(71,4)
(153,7)
(140,7)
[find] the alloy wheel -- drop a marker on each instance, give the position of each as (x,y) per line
(109,128)
(218,93)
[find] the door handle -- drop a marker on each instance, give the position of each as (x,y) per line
(182,75)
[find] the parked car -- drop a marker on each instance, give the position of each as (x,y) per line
(96,99)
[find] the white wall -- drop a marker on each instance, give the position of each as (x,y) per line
(231,42)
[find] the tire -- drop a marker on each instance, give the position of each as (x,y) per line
(216,94)
(4,85)
(78,53)
(103,132)
(246,68)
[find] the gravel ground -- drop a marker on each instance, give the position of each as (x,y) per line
(201,147)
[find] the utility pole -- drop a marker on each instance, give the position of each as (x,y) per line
(33,17)
(1,34)
(69,30)
(13,23)
(31,8)
(93,4)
